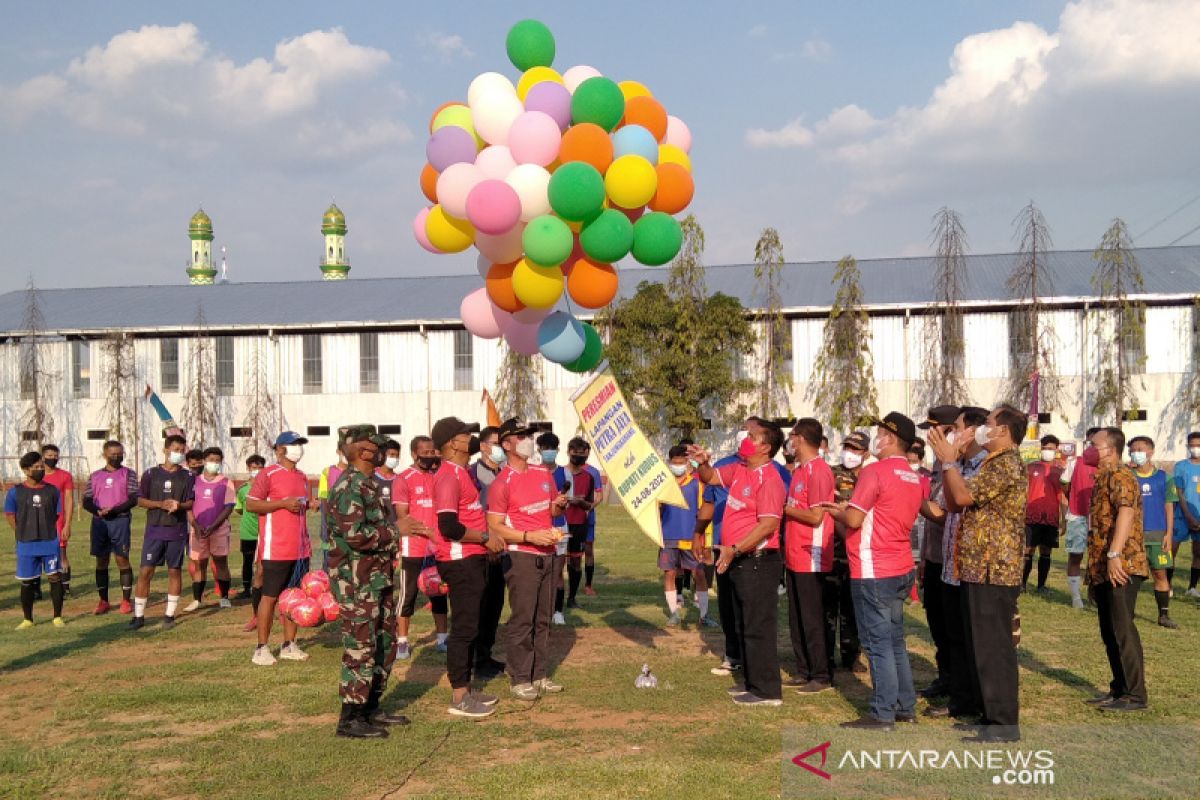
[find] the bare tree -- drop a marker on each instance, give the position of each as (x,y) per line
(776,350)
(1119,341)
(843,386)
(1032,341)
(944,362)
(261,415)
(120,386)
(198,417)
(35,426)
(519,391)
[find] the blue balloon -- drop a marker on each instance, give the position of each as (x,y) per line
(637,141)
(561,338)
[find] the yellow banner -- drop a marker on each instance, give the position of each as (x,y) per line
(635,471)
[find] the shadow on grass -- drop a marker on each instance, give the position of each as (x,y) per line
(633,628)
(85,641)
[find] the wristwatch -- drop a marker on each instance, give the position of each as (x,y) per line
(484,537)
(1113,554)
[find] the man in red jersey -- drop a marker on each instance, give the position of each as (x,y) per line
(412,495)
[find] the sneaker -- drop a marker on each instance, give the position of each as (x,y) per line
(470,708)
(1077,602)
(441,647)
(709,622)
(1041,590)
(735,690)
(126,607)
(403,651)
(1193,592)
(168,623)
(292,652)
(673,620)
(251,624)
(726,667)
(558,618)
(547,686)
(224,603)
(781,591)
(589,591)
(910,719)
(58,622)
(1123,704)
(102,608)
(813,687)
(525,691)
(262,656)
(1167,622)
(486,699)
(136,624)
(26,624)
(572,603)
(192,606)
(748,699)
(867,722)
(1100,699)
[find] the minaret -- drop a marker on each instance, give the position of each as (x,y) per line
(200,269)
(224,267)
(334,264)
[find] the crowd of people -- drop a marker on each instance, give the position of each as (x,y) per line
(848,540)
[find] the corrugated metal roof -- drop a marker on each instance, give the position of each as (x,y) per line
(887,282)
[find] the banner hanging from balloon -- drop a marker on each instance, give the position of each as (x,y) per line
(635,471)
(553,180)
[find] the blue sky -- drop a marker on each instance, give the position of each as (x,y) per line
(845,126)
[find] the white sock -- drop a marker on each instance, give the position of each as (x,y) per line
(403,640)
(672,601)
(702,602)
(679,599)
(172,602)
(139,606)
(1073,581)
(441,638)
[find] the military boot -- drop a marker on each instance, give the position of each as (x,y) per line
(354,725)
(377,716)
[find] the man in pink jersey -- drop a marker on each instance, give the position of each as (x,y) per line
(65,483)
(412,494)
(522,503)
(209,524)
(879,520)
(808,557)
(462,543)
(279,495)
(750,554)
(110,496)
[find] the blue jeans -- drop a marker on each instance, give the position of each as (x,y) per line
(879,609)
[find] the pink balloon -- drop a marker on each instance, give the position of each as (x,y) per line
(531,316)
(493,207)
(577,75)
(419,231)
(481,317)
(551,98)
(522,338)
(534,138)
(504,248)
(454,185)
(678,134)
(495,161)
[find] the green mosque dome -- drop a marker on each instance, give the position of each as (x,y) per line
(334,221)
(200,226)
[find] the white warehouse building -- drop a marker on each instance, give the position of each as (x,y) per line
(393,351)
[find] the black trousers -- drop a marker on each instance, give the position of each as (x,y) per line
(839,614)
(733,642)
(935,616)
(493,605)
(248,549)
(1114,607)
(755,582)
(811,636)
(530,581)
(466,578)
(990,611)
(960,667)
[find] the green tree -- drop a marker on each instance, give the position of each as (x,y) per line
(843,386)
(1031,340)
(519,390)
(776,345)
(1119,337)
(943,366)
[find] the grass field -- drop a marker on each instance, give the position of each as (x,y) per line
(93,711)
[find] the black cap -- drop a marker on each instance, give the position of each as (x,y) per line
(858,440)
(516,427)
(447,428)
(898,424)
(940,415)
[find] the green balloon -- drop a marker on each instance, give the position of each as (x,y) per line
(576,191)
(608,237)
(547,241)
(657,237)
(530,44)
(598,100)
(593,351)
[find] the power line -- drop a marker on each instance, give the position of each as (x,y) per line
(1186,235)
(1167,217)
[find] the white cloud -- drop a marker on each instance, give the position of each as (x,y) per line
(447,45)
(758,31)
(793,134)
(817,50)
(131,52)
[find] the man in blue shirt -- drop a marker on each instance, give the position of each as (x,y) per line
(680,526)
(32,508)
(1187,510)
(1158,516)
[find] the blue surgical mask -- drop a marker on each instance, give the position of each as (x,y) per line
(1139,458)
(549,456)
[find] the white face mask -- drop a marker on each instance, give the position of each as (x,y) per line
(1139,458)
(875,448)
(254,473)
(982,434)
(916,466)
(526,448)
(391,462)
(821,454)
(294,452)
(497,454)
(176,458)
(1194,452)
(790,448)
(678,470)
(851,460)
(212,467)
(1048,455)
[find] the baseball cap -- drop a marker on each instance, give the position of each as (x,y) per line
(447,428)
(858,440)
(515,427)
(348,434)
(940,415)
(898,424)
(289,437)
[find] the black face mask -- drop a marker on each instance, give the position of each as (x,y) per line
(50,463)
(36,475)
(578,461)
(115,461)
(197,470)
(473,446)
(430,463)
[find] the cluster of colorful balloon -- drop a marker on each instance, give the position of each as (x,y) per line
(553,181)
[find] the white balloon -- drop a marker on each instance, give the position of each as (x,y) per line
(678,134)
(495,162)
(504,248)
(531,183)
(494,114)
(489,83)
(453,186)
(577,75)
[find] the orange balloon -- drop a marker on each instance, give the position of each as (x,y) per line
(675,188)
(429,177)
(647,112)
(439,109)
(591,284)
(587,142)
(500,287)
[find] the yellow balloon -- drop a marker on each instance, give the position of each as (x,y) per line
(534,76)
(631,181)
(537,287)
(673,154)
(459,116)
(632,89)
(448,234)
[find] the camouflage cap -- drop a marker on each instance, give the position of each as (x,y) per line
(348,434)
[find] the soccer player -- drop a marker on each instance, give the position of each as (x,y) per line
(32,508)
(209,524)
(248,535)
(1043,511)
(1158,521)
(1079,478)
(579,486)
(412,495)
(110,496)
(167,494)
(680,525)
(63,481)
(1187,510)
(280,495)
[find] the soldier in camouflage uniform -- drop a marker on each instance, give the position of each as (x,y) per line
(839,608)
(363,546)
